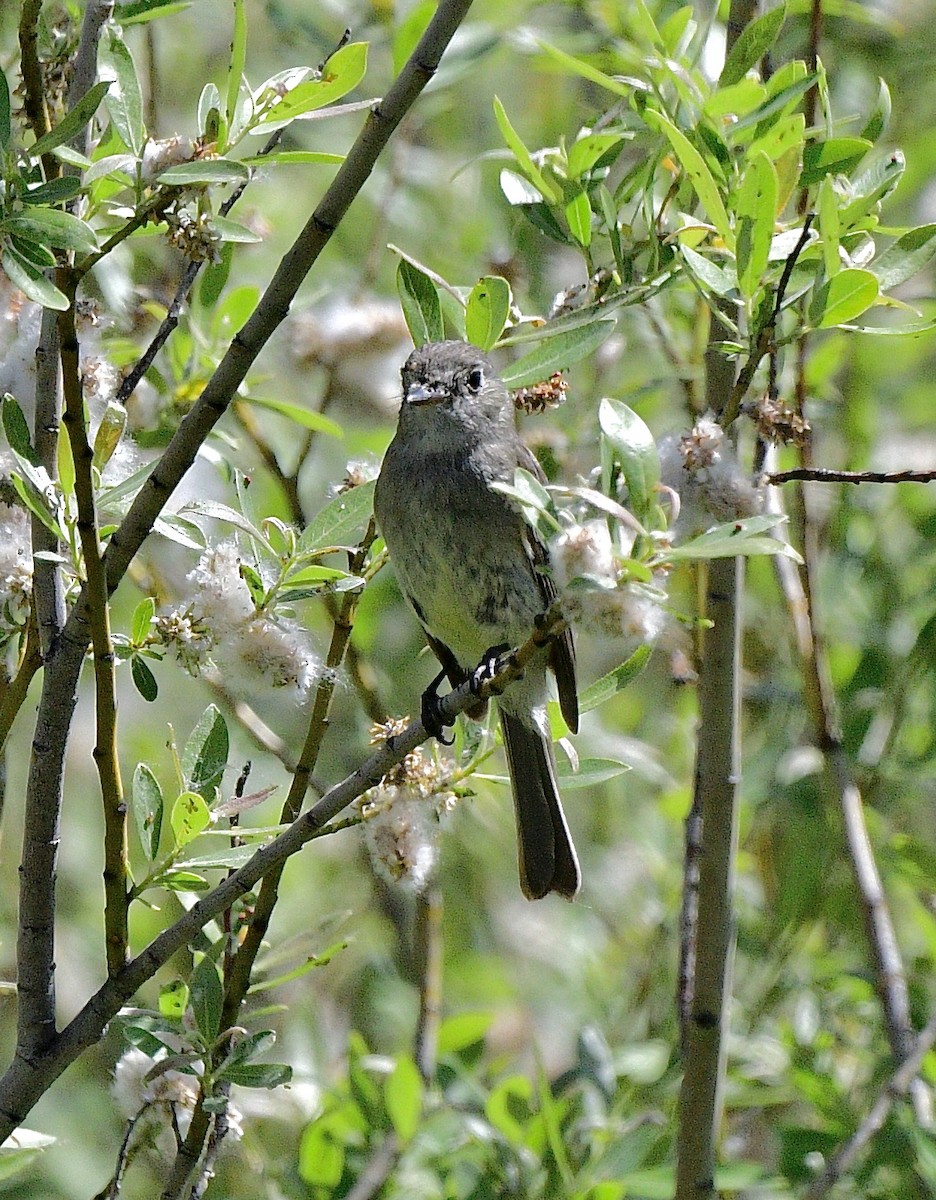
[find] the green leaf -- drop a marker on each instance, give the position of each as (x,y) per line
(487,310)
(843,297)
(307,418)
(292,157)
(587,150)
(634,448)
(189,817)
(224,858)
(578,214)
(558,352)
(905,258)
(108,434)
(735,538)
(74,122)
(419,300)
(238,60)
(880,114)
(215,276)
(206,753)
(872,186)
(16,428)
(143,678)
(755,40)
(522,155)
(31,281)
(148,10)
(342,521)
(579,67)
(173,1000)
(403,1096)
(342,73)
(615,681)
(223,512)
(410,28)
(142,620)
(205,170)
(124,100)
(756,209)
(829,229)
(207,999)
(232,231)
(6,127)
(52,227)
(466,1029)
(837,156)
(257,1075)
(719,280)
(56,191)
(588,772)
(146,801)
(697,170)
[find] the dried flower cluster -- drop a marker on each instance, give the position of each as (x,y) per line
(548,394)
(703,469)
(402,815)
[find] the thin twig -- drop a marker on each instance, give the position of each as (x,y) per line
(29,1076)
(827,475)
(895,1088)
(116,899)
(429,946)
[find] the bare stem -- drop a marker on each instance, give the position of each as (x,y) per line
(105,680)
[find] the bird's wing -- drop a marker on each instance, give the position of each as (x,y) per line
(562,650)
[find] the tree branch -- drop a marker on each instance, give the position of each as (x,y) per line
(31,1074)
(826,475)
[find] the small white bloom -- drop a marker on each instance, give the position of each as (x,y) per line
(585,550)
(401,832)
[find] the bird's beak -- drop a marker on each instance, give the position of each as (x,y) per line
(419,394)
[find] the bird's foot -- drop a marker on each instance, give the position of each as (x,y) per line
(488,667)
(431,713)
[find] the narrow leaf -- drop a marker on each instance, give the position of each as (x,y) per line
(837,156)
(588,772)
(698,172)
(205,170)
(238,59)
(584,153)
(403,1094)
(846,296)
(142,620)
(16,428)
(487,310)
(905,257)
(207,999)
(422,309)
(343,520)
(756,209)
(146,801)
(522,154)
(206,753)
(124,99)
(74,122)
(31,281)
(634,448)
(755,40)
(558,352)
(143,678)
(343,72)
(308,418)
(578,214)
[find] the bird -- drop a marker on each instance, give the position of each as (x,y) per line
(476,574)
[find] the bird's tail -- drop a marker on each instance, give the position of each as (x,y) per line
(548,862)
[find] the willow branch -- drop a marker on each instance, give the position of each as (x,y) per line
(826,475)
(14,691)
(895,1088)
(31,1074)
(34,101)
(116,901)
(238,980)
(429,947)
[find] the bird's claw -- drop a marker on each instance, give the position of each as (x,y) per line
(488,667)
(434,722)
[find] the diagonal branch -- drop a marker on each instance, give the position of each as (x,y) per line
(30,1075)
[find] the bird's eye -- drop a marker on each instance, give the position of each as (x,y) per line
(475,379)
